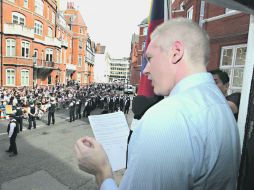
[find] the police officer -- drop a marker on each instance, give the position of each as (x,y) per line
(12,131)
(31,116)
(51,111)
(72,110)
(78,109)
(19,117)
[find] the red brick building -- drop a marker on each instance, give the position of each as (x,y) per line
(137,48)
(40,46)
(228,31)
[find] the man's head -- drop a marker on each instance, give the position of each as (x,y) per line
(178,48)
(221,79)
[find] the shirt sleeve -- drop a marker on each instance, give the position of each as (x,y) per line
(12,126)
(108,184)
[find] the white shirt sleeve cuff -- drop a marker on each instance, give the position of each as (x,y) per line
(108,184)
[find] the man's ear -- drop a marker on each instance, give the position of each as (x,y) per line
(178,52)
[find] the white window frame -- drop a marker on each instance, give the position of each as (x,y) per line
(10,47)
(49,55)
(145,30)
(79,60)
(190,13)
(10,77)
(26,3)
(39,7)
(79,77)
(19,19)
(25,49)
(230,69)
(50,32)
(53,18)
(25,77)
(38,28)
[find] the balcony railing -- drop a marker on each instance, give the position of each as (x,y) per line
(18,29)
(43,64)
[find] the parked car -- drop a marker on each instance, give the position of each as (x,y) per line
(128,89)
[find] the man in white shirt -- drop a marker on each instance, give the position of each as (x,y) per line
(187,141)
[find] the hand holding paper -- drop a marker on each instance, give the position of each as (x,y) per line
(93,159)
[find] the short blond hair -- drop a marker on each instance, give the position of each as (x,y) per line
(195,39)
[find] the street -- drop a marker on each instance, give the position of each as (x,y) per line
(46,157)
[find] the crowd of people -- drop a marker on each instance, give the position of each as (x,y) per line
(34,103)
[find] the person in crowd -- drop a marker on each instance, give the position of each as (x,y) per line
(51,111)
(222,81)
(72,110)
(19,117)
(12,131)
(189,140)
(32,116)
(127,103)
(78,109)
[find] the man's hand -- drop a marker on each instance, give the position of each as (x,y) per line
(93,159)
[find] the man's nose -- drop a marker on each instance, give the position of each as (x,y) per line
(146,70)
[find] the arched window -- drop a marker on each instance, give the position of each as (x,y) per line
(39,7)
(38,28)
(18,18)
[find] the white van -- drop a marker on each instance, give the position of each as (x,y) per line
(128,89)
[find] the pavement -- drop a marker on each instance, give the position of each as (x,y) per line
(46,158)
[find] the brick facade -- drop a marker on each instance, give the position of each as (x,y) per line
(39,47)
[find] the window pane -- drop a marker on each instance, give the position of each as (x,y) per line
(238,77)
(240,56)
(227,56)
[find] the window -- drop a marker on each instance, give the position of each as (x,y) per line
(49,55)
(18,18)
(39,7)
(143,45)
(79,77)
(182,6)
(80,44)
(25,77)
(25,47)
(10,77)
(233,61)
(190,13)
(145,31)
(38,28)
(49,79)
(10,47)
(26,3)
(48,9)
(35,56)
(50,33)
(79,60)
(81,30)
(53,17)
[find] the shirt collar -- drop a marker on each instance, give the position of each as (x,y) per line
(191,81)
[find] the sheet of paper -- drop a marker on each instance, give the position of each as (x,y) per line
(112,131)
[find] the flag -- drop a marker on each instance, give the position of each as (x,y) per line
(158,13)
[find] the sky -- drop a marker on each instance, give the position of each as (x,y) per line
(112,22)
